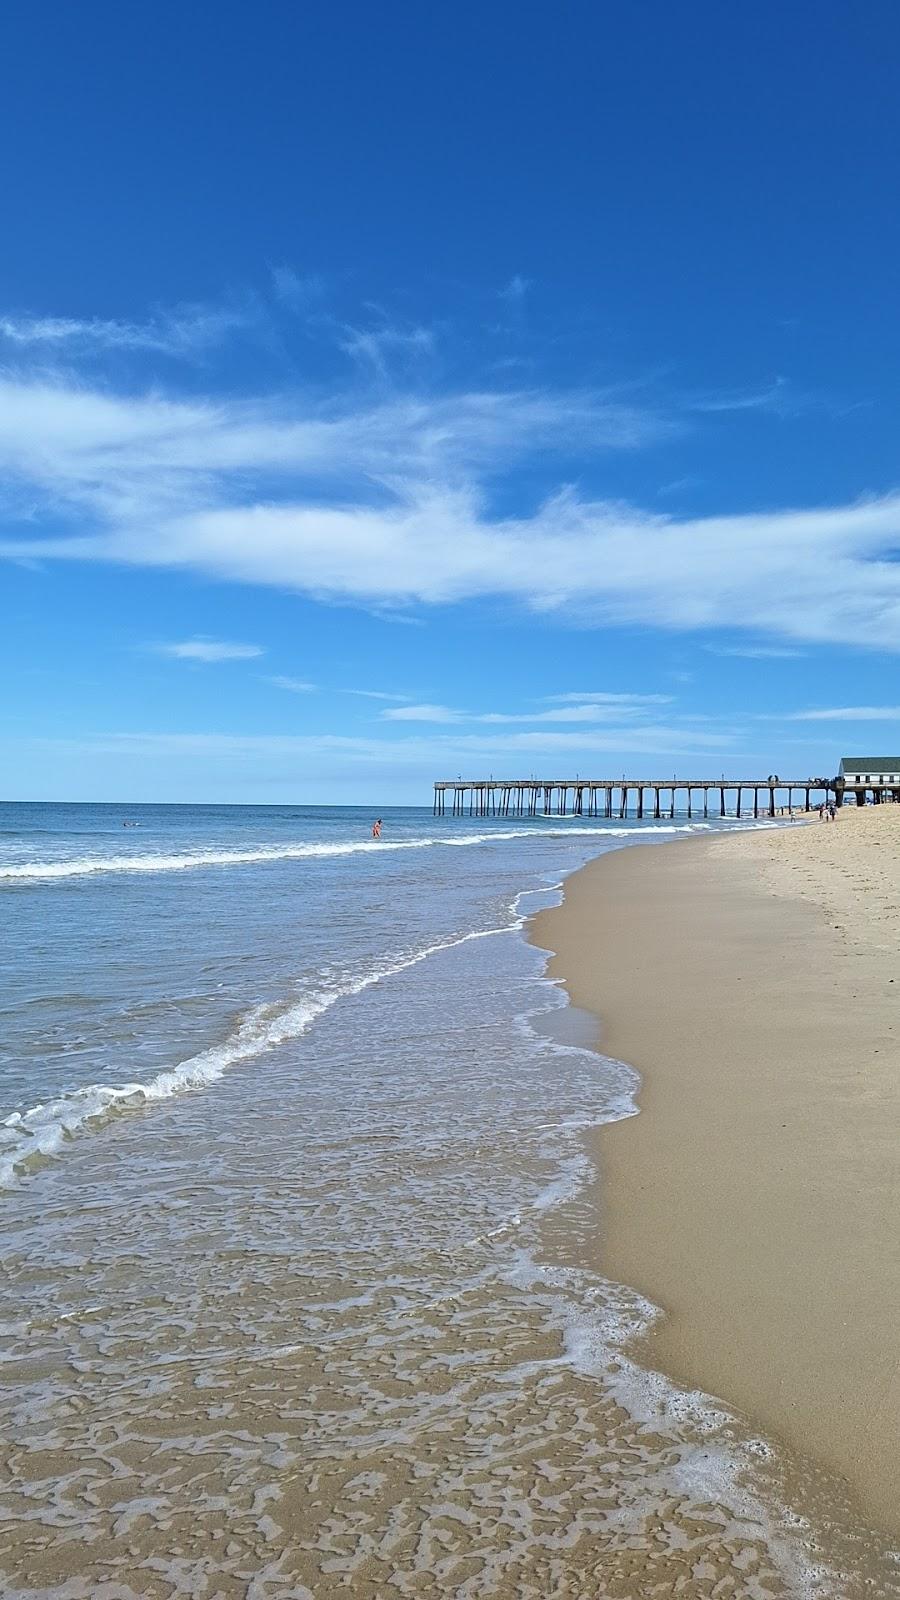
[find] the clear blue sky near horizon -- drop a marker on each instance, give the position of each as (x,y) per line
(392,392)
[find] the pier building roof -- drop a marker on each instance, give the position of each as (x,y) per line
(873,765)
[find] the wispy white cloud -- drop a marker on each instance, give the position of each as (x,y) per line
(179,332)
(391,505)
(595,711)
(515,290)
(805,575)
(603,697)
(377,694)
(292,685)
(774,396)
(755,652)
(132,461)
(376,346)
(679,485)
(209,650)
(779,398)
(601,708)
(397,618)
(425,713)
(847,714)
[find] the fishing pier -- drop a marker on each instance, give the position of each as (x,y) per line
(632,797)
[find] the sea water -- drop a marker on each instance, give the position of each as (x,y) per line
(297,1216)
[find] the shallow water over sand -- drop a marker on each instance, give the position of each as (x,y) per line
(321,1323)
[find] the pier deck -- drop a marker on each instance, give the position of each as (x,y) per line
(623,797)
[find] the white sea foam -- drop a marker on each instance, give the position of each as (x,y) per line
(83,866)
(42,1131)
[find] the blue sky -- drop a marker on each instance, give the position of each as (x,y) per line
(394,391)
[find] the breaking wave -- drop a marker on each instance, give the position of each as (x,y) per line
(41,1132)
(83,866)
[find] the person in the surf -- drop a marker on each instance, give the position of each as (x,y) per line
(376,828)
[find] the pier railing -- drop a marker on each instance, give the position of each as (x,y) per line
(623,797)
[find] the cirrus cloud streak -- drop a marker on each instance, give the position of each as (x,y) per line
(394,504)
(209,650)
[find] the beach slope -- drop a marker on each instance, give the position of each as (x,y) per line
(754,981)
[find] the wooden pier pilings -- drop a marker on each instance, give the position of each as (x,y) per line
(618,798)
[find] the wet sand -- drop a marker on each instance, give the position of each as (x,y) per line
(754,981)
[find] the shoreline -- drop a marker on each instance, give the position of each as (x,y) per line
(755,1198)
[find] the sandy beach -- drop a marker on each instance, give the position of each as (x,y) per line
(754,982)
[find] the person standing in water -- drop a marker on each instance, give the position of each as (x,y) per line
(376,828)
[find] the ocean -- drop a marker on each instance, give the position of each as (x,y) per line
(297,1203)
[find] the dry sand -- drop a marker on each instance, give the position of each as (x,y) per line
(754,981)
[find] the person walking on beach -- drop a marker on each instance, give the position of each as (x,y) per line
(376,828)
